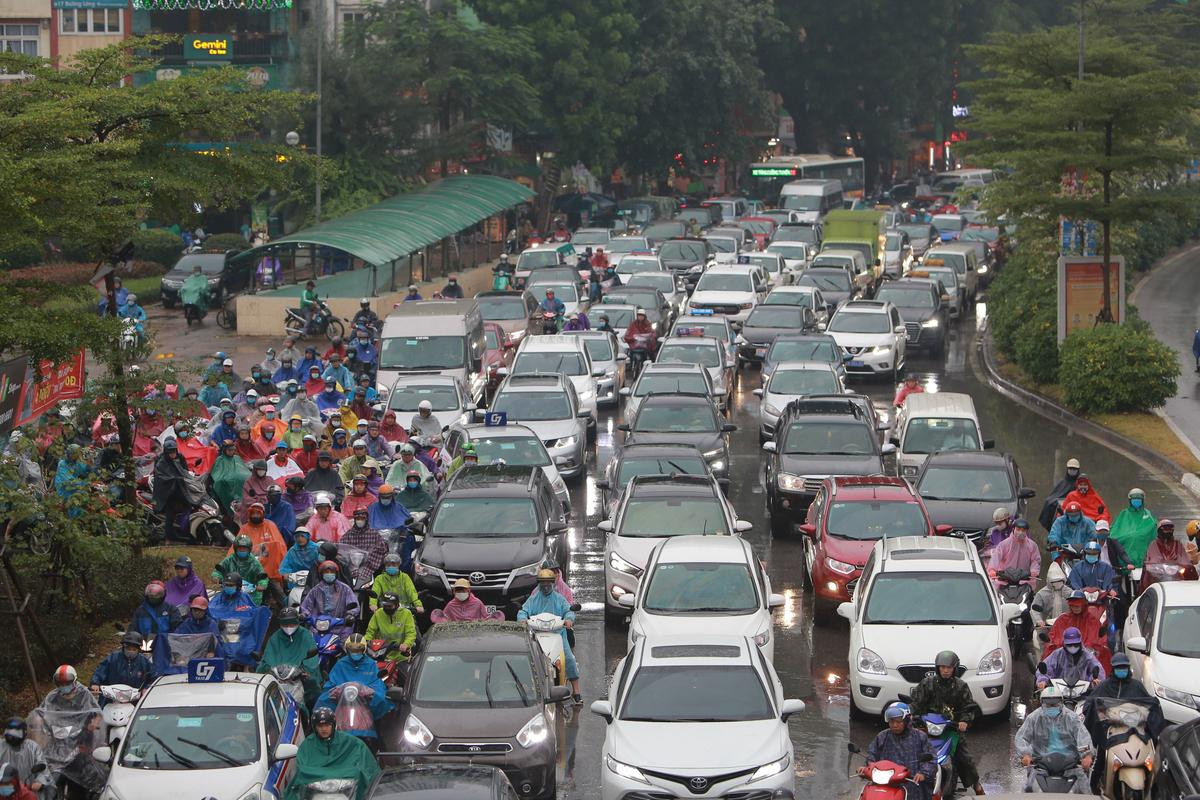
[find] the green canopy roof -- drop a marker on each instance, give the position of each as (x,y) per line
(406,223)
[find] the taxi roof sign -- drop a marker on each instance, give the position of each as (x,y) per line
(206,670)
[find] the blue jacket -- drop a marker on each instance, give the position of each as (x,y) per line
(556,306)
(211,396)
(339,374)
(365,354)
(1063,531)
(150,621)
(364,671)
(223,433)
(553,603)
(298,558)
(1099,575)
(306,364)
(137,672)
(391,516)
(284,517)
(329,400)
(285,374)
(1196,343)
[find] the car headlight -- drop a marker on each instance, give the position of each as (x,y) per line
(714,453)
(528,569)
(624,770)
(774,768)
(869,662)
(1174,695)
(253,794)
(840,567)
(560,486)
(910,472)
(745,306)
(421,568)
(416,733)
(565,441)
(930,323)
(992,663)
(769,410)
(586,394)
(762,637)
(535,732)
(789,482)
(696,268)
(621,565)
(517,336)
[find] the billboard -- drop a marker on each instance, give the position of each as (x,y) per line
(1081,292)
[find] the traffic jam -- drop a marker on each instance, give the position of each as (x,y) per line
(687,507)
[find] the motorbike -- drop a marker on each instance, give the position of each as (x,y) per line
(1074,693)
(639,354)
(332,789)
(1165,573)
(885,779)
(291,680)
(118,711)
(1131,757)
(1050,773)
(329,642)
(502,280)
(131,334)
(551,322)
(353,712)
(324,323)
(390,670)
(1065,555)
(547,630)
(1014,588)
(943,739)
(296,586)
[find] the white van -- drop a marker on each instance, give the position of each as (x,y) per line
(934,421)
(813,198)
(440,336)
(732,208)
(966,265)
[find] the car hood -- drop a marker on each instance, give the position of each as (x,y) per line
(851,551)
(1177,672)
(681,263)
(511,325)
(551,428)
(697,624)
(727,746)
(920,644)
(634,549)
(478,723)
(915,314)
(973,515)
(489,554)
(724,298)
(757,335)
(131,784)
(704,441)
(830,465)
(835,298)
(861,339)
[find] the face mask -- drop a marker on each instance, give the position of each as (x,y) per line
(393,571)
(329,577)
(1091,559)
(385,501)
(268,434)
(1072,648)
(183,434)
(1020,534)
(460,596)
(7,791)
(1052,711)
(1136,503)
(262,473)
(1074,517)
(360,523)
(1120,673)
(413,484)
(290,630)
(242,553)
(154,602)
(356,657)
(1101,535)
(1084,489)
(545,588)
(1166,536)
(256,518)
(229,591)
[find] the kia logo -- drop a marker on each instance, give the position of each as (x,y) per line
(476,577)
(475,748)
(698,784)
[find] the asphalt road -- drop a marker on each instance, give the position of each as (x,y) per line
(812,660)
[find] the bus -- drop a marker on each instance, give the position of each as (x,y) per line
(766,178)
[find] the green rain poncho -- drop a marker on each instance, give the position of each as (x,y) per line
(341,756)
(194,290)
(282,650)
(1135,531)
(229,474)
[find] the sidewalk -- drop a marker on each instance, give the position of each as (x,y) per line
(1166,299)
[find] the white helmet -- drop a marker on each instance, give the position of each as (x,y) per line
(425,405)
(364,301)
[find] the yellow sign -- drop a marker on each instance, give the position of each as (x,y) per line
(207,47)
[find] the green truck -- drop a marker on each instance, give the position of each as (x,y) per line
(864,231)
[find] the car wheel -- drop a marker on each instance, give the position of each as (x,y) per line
(857,713)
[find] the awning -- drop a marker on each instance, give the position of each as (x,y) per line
(406,223)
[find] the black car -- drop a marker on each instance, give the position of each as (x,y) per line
(765,323)
(493,525)
(964,488)
(646,459)
(687,258)
(835,284)
(224,276)
(813,441)
(1179,762)
(923,309)
(480,693)
(442,781)
(683,419)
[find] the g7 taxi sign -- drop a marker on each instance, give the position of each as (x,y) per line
(206,670)
(495,419)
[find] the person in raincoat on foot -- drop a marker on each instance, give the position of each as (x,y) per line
(1135,527)
(292,643)
(330,754)
(194,296)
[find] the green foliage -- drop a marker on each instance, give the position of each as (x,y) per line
(226,241)
(1116,368)
(158,245)
(20,255)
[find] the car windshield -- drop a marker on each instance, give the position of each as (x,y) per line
(617,317)
(516,451)
(784,350)
(532,259)
(722,244)
(670,383)
(627,244)
(589,237)
(755,225)
(533,406)
(980,235)
(859,322)
(793,251)
(805,438)
(769,263)
(196,737)
(485,517)
(682,251)
(664,230)
(209,264)
(422,352)
(704,354)
(929,598)
(906,297)
(790,298)
(975,483)
(724,282)
(801,202)
(948,222)
(563,363)
(795,233)
(406,398)
(916,231)
(567,292)
(665,465)
(833,262)
(700,588)
(893,242)
(634,264)
(669,418)
(475,680)
(874,520)
(657,517)
(490,340)
(1180,632)
(657,280)
(700,693)
(775,318)
(599,348)
(803,382)
(827,280)
(931,434)
(495,309)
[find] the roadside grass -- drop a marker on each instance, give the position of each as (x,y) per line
(147,290)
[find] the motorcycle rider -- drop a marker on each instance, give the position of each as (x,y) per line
(903,744)
(279,512)
(1092,571)
(1072,528)
(184,586)
(413,496)
(1165,549)
(425,422)
(604,324)
(366,318)
(1080,617)
(911,385)
(337,372)
(292,643)
(1061,489)
(640,336)
(393,622)
(306,459)
(326,524)
(303,555)
(1120,683)
(394,580)
(324,480)
(552,305)
(330,597)
(946,693)
(244,563)
(363,537)
(1047,730)
(413,294)
(309,304)
(330,754)
(1071,663)
(405,464)
(349,467)
(355,667)
(574,323)
(11,785)
(124,665)
(1002,527)
(155,616)
(265,539)
(464,606)
(1094,507)
(452,291)
(359,497)
(1017,551)
(546,600)
(23,754)
(1051,600)
(467,456)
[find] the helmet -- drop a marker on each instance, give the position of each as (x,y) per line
(1092,546)
(1021,523)
(359,443)
(1077,595)
(258,464)
(1072,636)
(243,540)
(131,298)
(549,562)
(364,301)
(1136,492)
(389,598)
(544,574)
(897,711)
(302,531)
(322,716)
(387,490)
(232,579)
(131,638)
(1072,506)
(328,551)
(199,601)
(469,450)
(356,643)
(327,566)
(323,498)
(1102,525)
(425,405)
(462,583)
(288,615)
(946,658)
(155,589)
(1000,514)
(65,675)
(1163,524)
(274,487)
(1050,693)
(1072,463)
(1120,660)
(392,558)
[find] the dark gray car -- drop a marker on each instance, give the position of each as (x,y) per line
(963,489)
(835,284)
(683,419)
(926,315)
(687,258)
(766,323)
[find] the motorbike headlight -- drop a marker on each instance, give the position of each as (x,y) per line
(774,768)
(534,733)
(869,662)
(416,733)
(789,482)
(624,770)
(1174,695)
(992,663)
(621,565)
(930,323)
(253,794)
(935,728)
(840,567)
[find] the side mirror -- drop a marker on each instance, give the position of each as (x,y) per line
(625,391)
(558,694)
(598,373)
(469,407)
(989,444)
(846,611)
(768,447)
(889,448)
(605,525)
(851,747)
(584,414)
(103,754)
(480,413)
(602,484)
(942,530)
(626,600)
(728,427)
(1025,492)
(775,600)
(790,707)
(757,393)
(807,528)
(624,426)
(1138,644)
(286,750)
(622,357)
(557,528)
(742,525)
(898,329)
(603,708)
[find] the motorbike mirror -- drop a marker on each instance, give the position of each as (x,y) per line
(395,694)
(624,426)
(904,698)
(576,607)
(851,747)
(1095,672)
(602,484)
(558,694)
(1045,637)
(1025,493)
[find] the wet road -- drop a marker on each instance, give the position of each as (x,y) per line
(812,660)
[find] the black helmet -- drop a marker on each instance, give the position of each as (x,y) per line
(232,579)
(389,598)
(1120,660)
(288,615)
(258,464)
(946,658)
(132,639)
(328,551)
(322,716)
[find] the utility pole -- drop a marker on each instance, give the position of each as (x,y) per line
(320,46)
(1081,40)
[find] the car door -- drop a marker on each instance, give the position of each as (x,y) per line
(1142,620)
(899,337)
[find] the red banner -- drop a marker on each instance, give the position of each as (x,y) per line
(59,382)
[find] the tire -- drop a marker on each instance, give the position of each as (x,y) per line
(225,320)
(335,329)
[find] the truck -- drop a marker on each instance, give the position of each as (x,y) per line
(865,231)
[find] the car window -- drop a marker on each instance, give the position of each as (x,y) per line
(515,451)
(671,418)
(828,438)
(666,465)
(195,737)
(829,280)
(682,251)
(929,598)
(599,348)
(795,251)
(784,350)
(485,517)
(422,352)
(725,282)
(407,398)
(476,680)
(867,521)
(656,517)
(974,484)
(700,588)
(1179,632)
(562,363)
(859,322)
(680,693)
(670,383)
(705,354)
(768,317)
(275,714)
(491,340)
(501,308)
(1147,607)
(533,406)
(906,296)
(931,434)
(538,258)
(803,382)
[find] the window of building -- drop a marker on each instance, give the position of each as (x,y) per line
(90,20)
(19,38)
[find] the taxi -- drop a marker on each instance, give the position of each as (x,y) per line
(236,735)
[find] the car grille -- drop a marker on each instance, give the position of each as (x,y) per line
(912,332)
(474,747)
(853,350)
(754,794)
(699,784)
(480,579)
(813,485)
(915,673)
(718,308)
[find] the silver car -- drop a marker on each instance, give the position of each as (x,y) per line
(667,379)
(444,392)
(603,348)
(790,381)
(665,282)
(708,353)
(547,405)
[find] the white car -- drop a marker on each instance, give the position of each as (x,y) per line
(621,247)
(796,255)
(725,291)
(697,585)
(562,354)
(726,247)
(1162,639)
(573,301)
(774,264)
(872,334)
(237,738)
(602,347)
(591,237)
(792,380)
(444,392)
(636,263)
(667,378)
(918,596)
(707,352)
(548,405)
(697,717)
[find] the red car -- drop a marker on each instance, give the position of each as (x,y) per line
(844,521)
(498,353)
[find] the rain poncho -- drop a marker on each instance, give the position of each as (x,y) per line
(399,472)
(352,502)
(390,430)
(364,671)
(307,410)
(1040,735)
(1064,531)
(339,756)
(1093,505)
(399,584)
(247,566)
(293,437)
(284,517)
(194,290)
(266,543)
(137,672)
(247,447)
(1075,668)
(415,499)
(465,611)
(180,592)
(372,547)
(329,400)
(190,640)
(553,603)
(242,625)
(328,530)
(223,432)
(385,514)
(378,447)
(254,491)
(285,373)
(24,757)
(1060,490)
(325,480)
(67,726)
(1135,530)
(211,394)
(331,600)
(294,649)
(69,479)
(300,558)
(229,475)
(151,620)
(399,627)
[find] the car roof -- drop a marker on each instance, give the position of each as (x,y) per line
(695,650)
(870,306)
(804,337)
(926,553)
(1180,593)
(918,282)
(942,404)
(476,636)
(871,487)
(530,382)
(675,485)
(477,430)
(675,398)
(434,308)
(551,342)
(704,549)
(709,340)
(673,366)
(967,458)
(238,689)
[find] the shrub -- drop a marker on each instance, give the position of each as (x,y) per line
(1036,346)
(18,256)
(1116,368)
(226,241)
(74,273)
(156,244)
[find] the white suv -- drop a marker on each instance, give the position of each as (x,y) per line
(918,596)
(700,716)
(560,355)
(730,292)
(872,334)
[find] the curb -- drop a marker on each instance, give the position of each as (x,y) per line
(1145,456)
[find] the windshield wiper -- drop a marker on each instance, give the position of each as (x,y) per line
(167,749)
(487,688)
(228,759)
(517,683)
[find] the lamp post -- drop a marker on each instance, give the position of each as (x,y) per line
(320,47)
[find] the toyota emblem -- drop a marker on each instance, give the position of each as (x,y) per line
(698,784)
(476,577)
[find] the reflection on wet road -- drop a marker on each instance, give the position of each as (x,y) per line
(811,659)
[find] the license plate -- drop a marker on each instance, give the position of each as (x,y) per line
(760,351)
(490,609)
(856,364)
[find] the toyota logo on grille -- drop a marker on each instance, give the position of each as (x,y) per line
(698,784)
(476,577)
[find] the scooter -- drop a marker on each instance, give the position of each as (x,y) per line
(297,583)
(353,712)
(1165,573)
(390,670)
(1131,759)
(943,739)
(332,789)
(291,680)
(551,323)
(1014,588)
(639,354)
(329,643)
(1049,773)
(547,630)
(324,323)
(885,779)
(502,282)
(118,712)
(1065,555)
(1074,693)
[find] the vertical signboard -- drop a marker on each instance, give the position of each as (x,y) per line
(1081,292)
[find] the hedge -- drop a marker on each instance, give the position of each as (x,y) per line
(157,244)
(226,241)
(1116,368)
